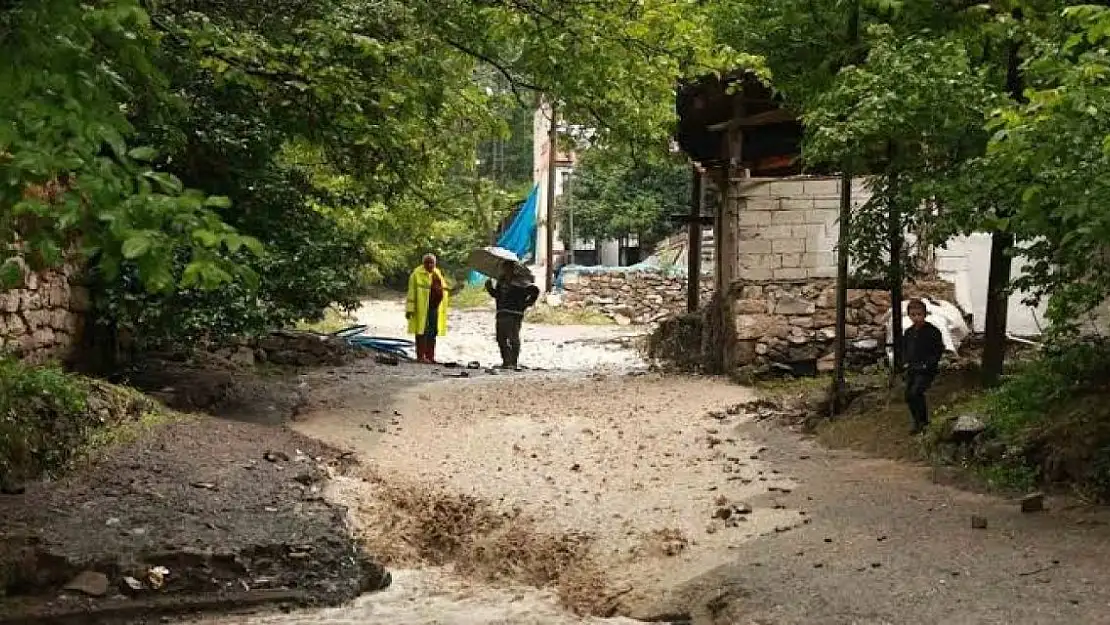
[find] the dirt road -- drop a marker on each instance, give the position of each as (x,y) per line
(657,499)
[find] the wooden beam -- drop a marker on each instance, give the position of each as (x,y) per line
(693,248)
(776,116)
(704,220)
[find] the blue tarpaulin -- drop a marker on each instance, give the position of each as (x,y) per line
(520,237)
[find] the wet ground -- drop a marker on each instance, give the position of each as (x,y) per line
(470,337)
(596,492)
(686,508)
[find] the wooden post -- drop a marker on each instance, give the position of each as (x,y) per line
(841,291)
(728,246)
(552,140)
(693,253)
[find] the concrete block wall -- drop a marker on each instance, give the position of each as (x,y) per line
(789,226)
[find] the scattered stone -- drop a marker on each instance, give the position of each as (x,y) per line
(156,576)
(305,478)
(978,523)
(1033,502)
(966,428)
(205,485)
(275,456)
(130,584)
(89,583)
(576,467)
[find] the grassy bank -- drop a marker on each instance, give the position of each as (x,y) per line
(1046,426)
(51,419)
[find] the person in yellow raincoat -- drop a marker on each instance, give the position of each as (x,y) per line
(426,307)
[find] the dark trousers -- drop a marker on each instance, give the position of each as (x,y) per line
(508,337)
(917,382)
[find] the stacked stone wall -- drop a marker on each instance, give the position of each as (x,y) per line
(43,319)
(630,296)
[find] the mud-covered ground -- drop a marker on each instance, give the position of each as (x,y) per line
(658,498)
(595,492)
(198,507)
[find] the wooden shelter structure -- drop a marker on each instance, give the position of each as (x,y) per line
(732,127)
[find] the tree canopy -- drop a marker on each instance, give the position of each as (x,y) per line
(229,167)
(616,195)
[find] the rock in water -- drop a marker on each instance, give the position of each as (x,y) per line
(1033,502)
(90,583)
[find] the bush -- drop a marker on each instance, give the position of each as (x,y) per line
(1049,423)
(1063,374)
(37,407)
(49,418)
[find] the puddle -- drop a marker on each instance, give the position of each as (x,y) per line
(433,597)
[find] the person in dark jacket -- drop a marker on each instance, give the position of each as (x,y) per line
(513,297)
(923,348)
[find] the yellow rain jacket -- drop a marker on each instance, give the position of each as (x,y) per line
(420,289)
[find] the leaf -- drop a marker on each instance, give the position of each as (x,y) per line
(207,238)
(143,154)
(169,183)
(254,245)
(218,201)
(136,246)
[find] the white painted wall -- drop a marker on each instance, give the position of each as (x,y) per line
(965,262)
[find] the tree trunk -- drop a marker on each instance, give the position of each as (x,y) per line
(895,274)
(998,283)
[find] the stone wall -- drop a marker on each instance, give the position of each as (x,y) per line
(792,322)
(45,319)
(630,295)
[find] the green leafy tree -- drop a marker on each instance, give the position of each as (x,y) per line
(614,195)
(73,176)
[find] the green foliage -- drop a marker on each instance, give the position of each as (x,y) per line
(610,66)
(67,173)
(1047,163)
(37,408)
(50,420)
(614,195)
(1065,372)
